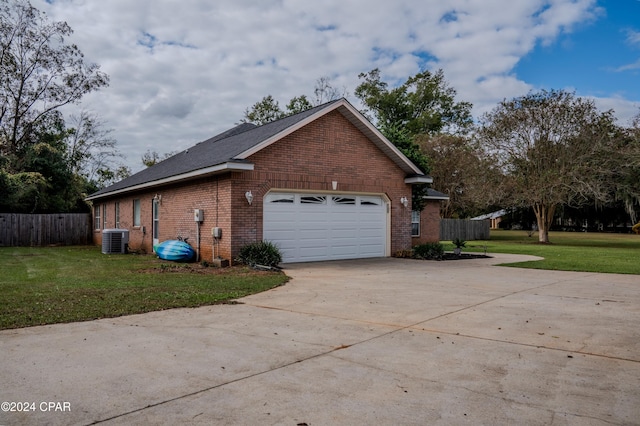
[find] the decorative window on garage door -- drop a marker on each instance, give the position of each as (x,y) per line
(344,200)
(281,198)
(313,199)
(370,201)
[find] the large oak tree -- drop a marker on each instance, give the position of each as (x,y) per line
(554,149)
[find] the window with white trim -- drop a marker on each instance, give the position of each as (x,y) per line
(117,214)
(415,223)
(104,216)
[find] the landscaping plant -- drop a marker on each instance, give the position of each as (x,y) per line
(433,251)
(262,253)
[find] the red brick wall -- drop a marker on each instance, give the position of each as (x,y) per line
(139,236)
(329,149)
(429,224)
(176,216)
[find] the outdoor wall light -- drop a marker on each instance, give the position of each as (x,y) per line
(404,201)
(249,197)
(158,198)
(334,184)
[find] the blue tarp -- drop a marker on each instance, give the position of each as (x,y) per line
(175,250)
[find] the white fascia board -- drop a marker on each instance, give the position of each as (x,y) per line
(433,197)
(219,168)
(419,179)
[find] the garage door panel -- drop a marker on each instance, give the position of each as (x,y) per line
(312,234)
(312,227)
(343,233)
(310,254)
(369,233)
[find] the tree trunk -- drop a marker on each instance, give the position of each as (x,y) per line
(544,216)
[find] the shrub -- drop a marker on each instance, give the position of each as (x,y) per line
(264,253)
(429,251)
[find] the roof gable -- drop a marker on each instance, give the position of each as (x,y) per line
(229,150)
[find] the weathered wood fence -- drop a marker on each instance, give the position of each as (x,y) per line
(464,229)
(45,229)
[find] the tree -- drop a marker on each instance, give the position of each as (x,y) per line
(107,176)
(459,170)
(554,149)
(326,92)
(298,104)
(263,112)
(628,183)
(424,104)
(268,109)
(39,72)
(151,158)
(90,147)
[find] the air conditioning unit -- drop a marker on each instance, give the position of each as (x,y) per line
(115,241)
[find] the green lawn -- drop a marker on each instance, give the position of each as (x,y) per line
(64,284)
(568,251)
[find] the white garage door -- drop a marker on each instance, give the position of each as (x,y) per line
(310,227)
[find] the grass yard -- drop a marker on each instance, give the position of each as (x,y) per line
(64,284)
(568,251)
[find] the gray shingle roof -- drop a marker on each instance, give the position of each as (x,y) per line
(228,146)
(436,195)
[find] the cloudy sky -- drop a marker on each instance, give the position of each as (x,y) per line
(183,71)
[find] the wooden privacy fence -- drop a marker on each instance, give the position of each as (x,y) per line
(45,229)
(464,229)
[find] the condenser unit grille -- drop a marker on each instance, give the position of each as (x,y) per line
(114,241)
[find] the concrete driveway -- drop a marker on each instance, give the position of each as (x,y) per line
(380,341)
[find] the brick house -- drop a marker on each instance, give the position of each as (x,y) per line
(322,184)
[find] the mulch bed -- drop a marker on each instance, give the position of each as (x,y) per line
(462,256)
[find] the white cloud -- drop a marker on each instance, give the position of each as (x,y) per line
(184,71)
(629,67)
(633,37)
(625,109)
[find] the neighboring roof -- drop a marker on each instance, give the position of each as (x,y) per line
(492,215)
(229,150)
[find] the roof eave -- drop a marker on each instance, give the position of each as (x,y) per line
(436,197)
(230,166)
(418,179)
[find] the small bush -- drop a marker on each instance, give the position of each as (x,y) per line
(433,251)
(263,253)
